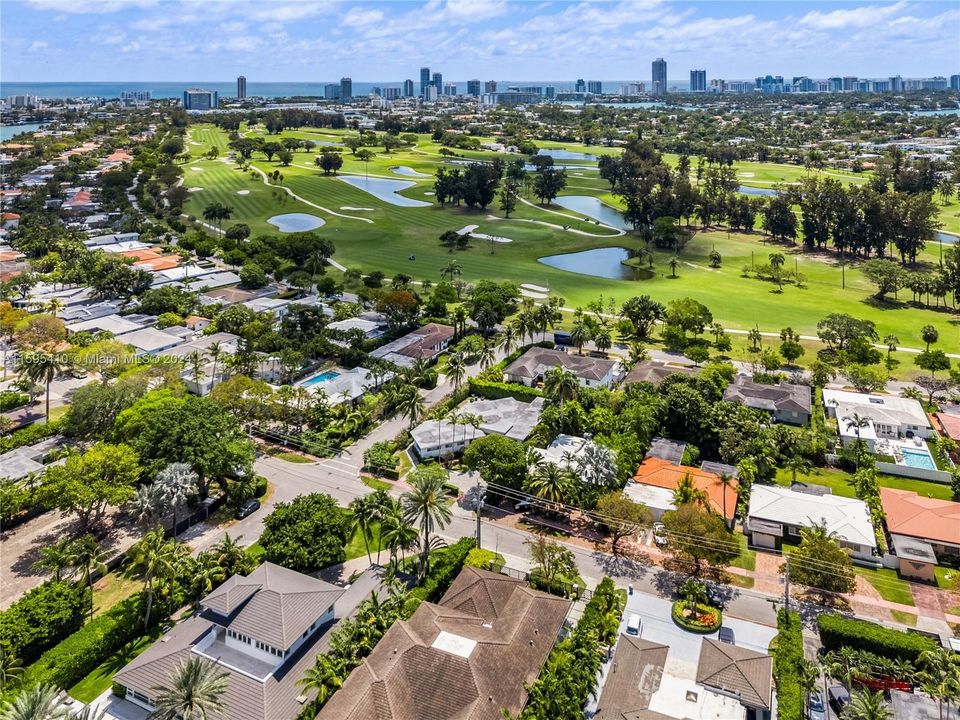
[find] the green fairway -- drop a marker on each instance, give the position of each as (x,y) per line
(372,234)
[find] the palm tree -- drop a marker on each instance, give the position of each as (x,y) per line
(581,334)
(41,702)
(42,366)
(687,492)
(410,403)
(551,482)
(231,556)
(603,339)
(153,558)
(396,532)
(940,676)
(694,593)
(195,692)
(88,558)
(451,271)
(11,669)
(204,574)
(179,483)
(55,558)
(798,464)
(364,513)
(857,423)
(326,676)
(560,386)
(149,505)
(488,355)
(726,481)
(508,337)
(425,505)
(456,369)
(867,705)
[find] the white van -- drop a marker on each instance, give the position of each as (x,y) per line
(634,625)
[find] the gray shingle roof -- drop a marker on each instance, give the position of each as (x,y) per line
(633,678)
(733,669)
(782,397)
(537,360)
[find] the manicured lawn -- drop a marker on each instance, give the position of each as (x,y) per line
(904,617)
(292,457)
(838,481)
(94,684)
(946,577)
(376,483)
(397,233)
(356,547)
(748,557)
(111,589)
(888,584)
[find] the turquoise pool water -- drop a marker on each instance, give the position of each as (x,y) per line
(321,378)
(918,459)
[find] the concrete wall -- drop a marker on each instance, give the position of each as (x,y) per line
(940,476)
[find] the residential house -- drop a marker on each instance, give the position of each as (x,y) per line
(442,438)
(740,673)
(786,402)
(423,343)
(655,372)
(922,531)
(777,513)
(150,341)
(632,680)
(886,417)
(506,416)
(211,372)
(531,367)
(264,631)
(565,451)
(114,324)
(276,307)
(349,385)
(469,657)
(667,449)
(656,481)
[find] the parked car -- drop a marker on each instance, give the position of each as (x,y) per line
(727,635)
(634,625)
(523,506)
(839,697)
(247,508)
(815,706)
(660,534)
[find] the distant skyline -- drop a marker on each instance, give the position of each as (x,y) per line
(307,41)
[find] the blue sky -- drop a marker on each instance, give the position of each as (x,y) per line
(314,40)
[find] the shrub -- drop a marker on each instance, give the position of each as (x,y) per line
(838,631)
(706,620)
(445,564)
(73,659)
(787,651)
(379,459)
(306,534)
(485,559)
(10,399)
(42,618)
(260,486)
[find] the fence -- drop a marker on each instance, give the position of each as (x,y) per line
(938,476)
(554,588)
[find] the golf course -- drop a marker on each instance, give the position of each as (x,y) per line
(381,215)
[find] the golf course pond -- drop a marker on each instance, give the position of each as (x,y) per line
(605,262)
(385,189)
(296,222)
(594,208)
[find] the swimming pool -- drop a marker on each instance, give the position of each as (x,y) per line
(918,459)
(321,378)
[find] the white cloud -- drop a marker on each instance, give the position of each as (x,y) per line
(83,7)
(860,17)
(38,46)
(360,18)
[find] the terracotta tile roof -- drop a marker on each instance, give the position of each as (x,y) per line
(464,659)
(664,474)
(921,517)
(733,669)
(950,424)
(10,216)
(120,156)
(141,254)
(80,198)
(164,262)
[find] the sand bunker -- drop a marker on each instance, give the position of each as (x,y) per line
(243,192)
(194,189)
(356,209)
(535,288)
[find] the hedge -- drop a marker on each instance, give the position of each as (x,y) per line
(496,390)
(445,564)
(837,631)
(30,435)
(485,559)
(787,651)
(42,618)
(10,399)
(66,664)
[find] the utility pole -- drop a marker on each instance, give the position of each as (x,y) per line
(786,586)
(479,509)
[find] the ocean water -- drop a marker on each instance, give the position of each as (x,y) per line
(8,131)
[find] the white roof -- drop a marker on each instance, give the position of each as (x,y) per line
(563,451)
(654,497)
(265,304)
(434,433)
(888,409)
(366,326)
(111,323)
(849,518)
(506,416)
(150,340)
